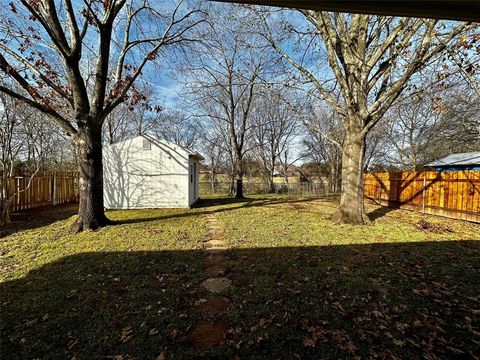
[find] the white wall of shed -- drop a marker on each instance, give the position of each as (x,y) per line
(135,178)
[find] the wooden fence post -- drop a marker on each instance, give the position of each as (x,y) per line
(54,192)
(423,191)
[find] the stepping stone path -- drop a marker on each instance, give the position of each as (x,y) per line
(215,270)
(206,334)
(217,285)
(213,305)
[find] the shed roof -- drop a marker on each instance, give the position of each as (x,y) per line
(462,159)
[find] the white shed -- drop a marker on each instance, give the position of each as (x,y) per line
(146,172)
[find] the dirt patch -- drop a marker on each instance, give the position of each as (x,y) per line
(215,270)
(215,259)
(214,305)
(434,228)
(205,334)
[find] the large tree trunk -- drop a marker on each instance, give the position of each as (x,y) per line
(5,212)
(5,201)
(213,181)
(271,175)
(239,178)
(91,213)
(271,185)
(352,209)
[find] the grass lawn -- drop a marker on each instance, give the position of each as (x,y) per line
(303,287)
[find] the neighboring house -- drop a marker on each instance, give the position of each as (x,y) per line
(455,162)
(146,172)
(293,173)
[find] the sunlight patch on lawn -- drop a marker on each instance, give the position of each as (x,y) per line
(143,230)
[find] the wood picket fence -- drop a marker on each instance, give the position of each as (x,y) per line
(46,189)
(454,194)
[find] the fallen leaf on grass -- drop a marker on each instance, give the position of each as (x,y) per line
(32,322)
(309,342)
(399,343)
(127,334)
(161,356)
(71,344)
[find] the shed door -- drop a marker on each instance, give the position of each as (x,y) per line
(195,181)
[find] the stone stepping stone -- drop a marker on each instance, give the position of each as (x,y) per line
(216,237)
(216,249)
(215,270)
(213,243)
(214,228)
(205,335)
(217,285)
(213,305)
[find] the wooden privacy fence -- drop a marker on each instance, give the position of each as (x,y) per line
(453,194)
(45,189)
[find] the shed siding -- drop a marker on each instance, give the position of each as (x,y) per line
(135,178)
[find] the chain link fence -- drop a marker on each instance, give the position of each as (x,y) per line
(300,189)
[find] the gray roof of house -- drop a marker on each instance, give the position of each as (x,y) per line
(467,159)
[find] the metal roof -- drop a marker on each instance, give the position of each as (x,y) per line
(462,159)
(466,10)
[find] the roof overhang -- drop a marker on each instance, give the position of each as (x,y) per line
(196,156)
(466,10)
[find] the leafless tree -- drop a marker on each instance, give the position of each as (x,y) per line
(322,143)
(127,121)
(177,127)
(459,122)
(226,78)
(77,61)
(276,119)
(25,141)
(9,149)
(410,128)
(214,147)
(438,119)
(371,60)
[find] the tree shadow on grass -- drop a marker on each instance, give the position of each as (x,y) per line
(407,300)
(38,217)
(207,203)
(381,212)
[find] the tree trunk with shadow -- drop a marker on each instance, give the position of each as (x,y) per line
(91,212)
(352,209)
(239,179)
